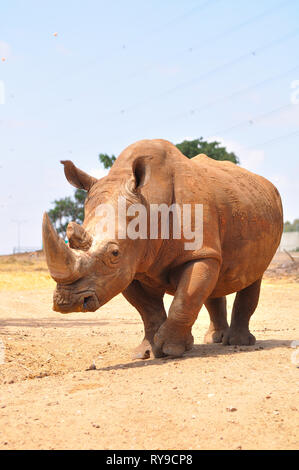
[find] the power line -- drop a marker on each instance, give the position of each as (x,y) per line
(19,224)
(275,139)
(241,25)
(234,94)
(253,120)
(188,13)
(106,59)
(148,35)
(217,36)
(205,75)
(234,61)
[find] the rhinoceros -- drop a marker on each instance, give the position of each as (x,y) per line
(242,224)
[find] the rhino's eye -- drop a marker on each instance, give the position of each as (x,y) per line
(113,255)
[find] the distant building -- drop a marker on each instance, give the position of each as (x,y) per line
(289,241)
(25,249)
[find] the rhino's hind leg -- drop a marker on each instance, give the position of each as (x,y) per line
(244,306)
(149,303)
(218,320)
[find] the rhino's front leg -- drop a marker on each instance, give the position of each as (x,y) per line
(149,303)
(196,282)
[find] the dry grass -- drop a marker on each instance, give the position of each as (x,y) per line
(29,271)
(26,271)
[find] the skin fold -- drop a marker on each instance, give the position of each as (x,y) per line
(242,227)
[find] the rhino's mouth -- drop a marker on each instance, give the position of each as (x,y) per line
(65,302)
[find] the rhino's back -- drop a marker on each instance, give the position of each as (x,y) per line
(250,221)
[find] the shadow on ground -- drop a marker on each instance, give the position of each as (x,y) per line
(50,323)
(203,350)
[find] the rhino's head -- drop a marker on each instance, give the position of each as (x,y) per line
(89,270)
(93,268)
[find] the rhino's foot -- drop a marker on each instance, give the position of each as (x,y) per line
(143,351)
(214,336)
(172,340)
(238,337)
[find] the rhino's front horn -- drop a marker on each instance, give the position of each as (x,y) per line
(63,262)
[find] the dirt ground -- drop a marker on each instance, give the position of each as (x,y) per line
(68,381)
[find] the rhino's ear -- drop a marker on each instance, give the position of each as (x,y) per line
(141,172)
(76,177)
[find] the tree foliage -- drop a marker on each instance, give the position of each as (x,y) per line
(191,148)
(106,160)
(291,227)
(68,210)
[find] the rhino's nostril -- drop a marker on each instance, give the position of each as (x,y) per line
(86,300)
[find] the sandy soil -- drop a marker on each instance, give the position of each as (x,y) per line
(215,397)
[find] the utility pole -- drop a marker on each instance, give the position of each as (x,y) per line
(19,224)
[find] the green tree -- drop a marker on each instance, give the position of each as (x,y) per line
(80,196)
(106,160)
(291,227)
(66,210)
(191,148)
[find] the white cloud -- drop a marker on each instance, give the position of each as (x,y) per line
(98,172)
(188,137)
(250,159)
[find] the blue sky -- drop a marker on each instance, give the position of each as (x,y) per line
(127,70)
